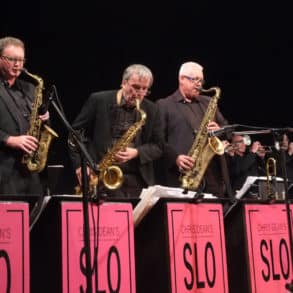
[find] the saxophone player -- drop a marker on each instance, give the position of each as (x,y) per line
(182,113)
(16,99)
(107,116)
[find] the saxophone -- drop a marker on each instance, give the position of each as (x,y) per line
(109,173)
(204,146)
(36,161)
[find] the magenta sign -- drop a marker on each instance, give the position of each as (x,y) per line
(14,248)
(197,248)
(270,266)
(112,248)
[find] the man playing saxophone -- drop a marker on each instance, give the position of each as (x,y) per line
(107,120)
(182,115)
(16,99)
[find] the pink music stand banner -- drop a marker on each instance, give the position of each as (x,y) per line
(14,247)
(197,248)
(270,266)
(112,247)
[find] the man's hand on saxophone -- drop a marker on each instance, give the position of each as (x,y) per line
(125,155)
(213,126)
(45,117)
(26,143)
(184,163)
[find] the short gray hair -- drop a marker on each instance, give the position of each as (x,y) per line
(141,70)
(7,41)
(186,67)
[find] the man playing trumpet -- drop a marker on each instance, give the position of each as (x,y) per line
(245,161)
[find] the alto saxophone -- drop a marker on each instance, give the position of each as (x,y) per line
(36,161)
(109,173)
(204,147)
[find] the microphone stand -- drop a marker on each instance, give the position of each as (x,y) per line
(277,135)
(85,159)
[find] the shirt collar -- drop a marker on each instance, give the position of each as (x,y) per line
(124,105)
(180,99)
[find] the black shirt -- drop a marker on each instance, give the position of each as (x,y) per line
(123,117)
(22,105)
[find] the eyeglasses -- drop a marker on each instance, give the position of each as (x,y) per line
(13,59)
(194,79)
(238,141)
(138,88)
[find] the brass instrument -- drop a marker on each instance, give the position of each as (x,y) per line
(234,146)
(204,146)
(265,149)
(36,161)
(271,172)
(111,174)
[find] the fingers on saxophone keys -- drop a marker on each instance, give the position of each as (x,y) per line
(28,149)
(186,164)
(30,144)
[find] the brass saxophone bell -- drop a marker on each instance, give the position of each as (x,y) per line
(112,177)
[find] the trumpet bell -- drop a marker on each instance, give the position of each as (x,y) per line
(112,177)
(246,139)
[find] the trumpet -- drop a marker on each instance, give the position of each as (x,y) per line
(235,145)
(231,147)
(265,149)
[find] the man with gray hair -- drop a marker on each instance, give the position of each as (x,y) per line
(182,114)
(106,117)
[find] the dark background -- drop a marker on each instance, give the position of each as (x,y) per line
(245,48)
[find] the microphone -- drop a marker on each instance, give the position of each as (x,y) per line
(281,130)
(224,130)
(45,105)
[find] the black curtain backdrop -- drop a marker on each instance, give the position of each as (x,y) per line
(245,48)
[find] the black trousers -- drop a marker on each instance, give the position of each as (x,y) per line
(21,182)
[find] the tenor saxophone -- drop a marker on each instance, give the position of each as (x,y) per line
(36,161)
(109,173)
(204,146)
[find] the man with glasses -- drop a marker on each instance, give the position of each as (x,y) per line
(105,118)
(245,161)
(16,98)
(182,113)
